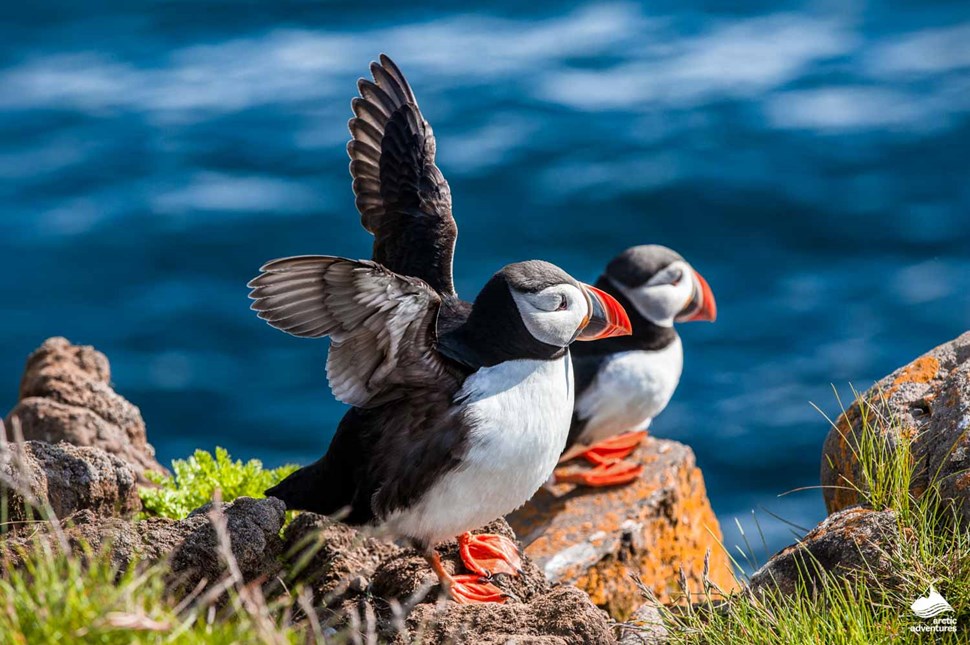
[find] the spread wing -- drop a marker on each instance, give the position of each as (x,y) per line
(381,325)
(403,199)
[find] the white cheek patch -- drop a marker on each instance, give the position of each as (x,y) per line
(660,303)
(558,327)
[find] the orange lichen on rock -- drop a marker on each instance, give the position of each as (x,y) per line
(840,468)
(923,370)
(670,542)
(596,538)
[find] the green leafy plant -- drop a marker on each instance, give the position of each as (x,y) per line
(195,480)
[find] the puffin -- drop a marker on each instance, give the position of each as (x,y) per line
(459,410)
(622,384)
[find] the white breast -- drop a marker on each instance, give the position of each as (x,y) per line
(629,390)
(519,414)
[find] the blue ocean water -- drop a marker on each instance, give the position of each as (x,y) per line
(811,160)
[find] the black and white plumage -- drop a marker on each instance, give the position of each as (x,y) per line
(460,410)
(420,414)
(622,384)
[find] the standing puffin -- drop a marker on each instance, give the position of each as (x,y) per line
(460,410)
(623,383)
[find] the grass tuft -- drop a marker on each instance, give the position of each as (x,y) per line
(883,452)
(58,597)
(934,550)
(57,590)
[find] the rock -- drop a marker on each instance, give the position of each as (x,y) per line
(929,403)
(406,573)
(331,557)
(563,616)
(57,354)
(358,579)
(645,627)
(66,395)
(190,546)
(69,478)
(253,528)
(852,542)
(596,538)
(124,541)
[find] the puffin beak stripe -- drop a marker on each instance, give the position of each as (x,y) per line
(607,317)
(702,305)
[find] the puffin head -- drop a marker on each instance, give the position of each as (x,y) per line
(661,285)
(535,310)
(556,309)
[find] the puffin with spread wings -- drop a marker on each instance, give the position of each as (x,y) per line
(460,410)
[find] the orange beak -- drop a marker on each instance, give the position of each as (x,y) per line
(606,319)
(701,305)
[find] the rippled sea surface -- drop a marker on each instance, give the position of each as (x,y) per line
(810,160)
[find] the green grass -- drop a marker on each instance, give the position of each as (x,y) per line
(65,595)
(886,467)
(57,598)
(934,550)
(195,480)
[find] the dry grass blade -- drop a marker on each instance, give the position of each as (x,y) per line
(135,622)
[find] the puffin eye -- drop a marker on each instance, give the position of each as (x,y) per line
(677,277)
(563,303)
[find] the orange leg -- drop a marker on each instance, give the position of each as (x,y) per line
(488,554)
(614,448)
(464,589)
(607,474)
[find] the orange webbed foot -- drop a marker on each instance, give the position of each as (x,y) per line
(614,473)
(465,589)
(617,447)
(487,554)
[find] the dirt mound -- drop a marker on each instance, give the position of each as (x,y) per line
(191,546)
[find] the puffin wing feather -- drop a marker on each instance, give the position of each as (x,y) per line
(381,325)
(403,199)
